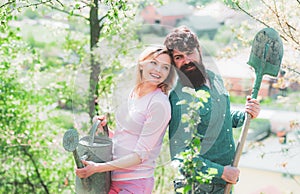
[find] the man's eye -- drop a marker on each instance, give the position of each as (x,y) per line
(190,53)
(177,57)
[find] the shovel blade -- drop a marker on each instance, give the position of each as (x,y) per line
(267,52)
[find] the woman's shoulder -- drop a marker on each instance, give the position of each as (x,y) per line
(160,98)
(158,95)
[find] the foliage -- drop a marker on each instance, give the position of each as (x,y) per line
(34,82)
(28,160)
(190,164)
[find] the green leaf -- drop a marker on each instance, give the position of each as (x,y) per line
(212,171)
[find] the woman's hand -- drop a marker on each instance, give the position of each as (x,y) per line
(101,118)
(103,122)
(89,169)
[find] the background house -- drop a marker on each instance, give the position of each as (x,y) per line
(166,15)
(239,77)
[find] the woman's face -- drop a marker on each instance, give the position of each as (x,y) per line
(156,70)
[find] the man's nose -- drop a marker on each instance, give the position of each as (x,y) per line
(187,60)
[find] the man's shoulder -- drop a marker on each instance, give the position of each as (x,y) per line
(176,90)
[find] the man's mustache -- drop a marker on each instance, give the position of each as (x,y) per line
(187,66)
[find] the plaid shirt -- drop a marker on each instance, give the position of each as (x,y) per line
(217,121)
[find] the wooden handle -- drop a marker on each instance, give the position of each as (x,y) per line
(239,148)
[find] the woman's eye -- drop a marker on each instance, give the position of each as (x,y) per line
(166,67)
(153,62)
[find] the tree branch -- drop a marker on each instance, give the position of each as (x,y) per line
(34,4)
(282,22)
(102,18)
(293,69)
(61,4)
(249,14)
(265,24)
(7,3)
(24,6)
(67,12)
(36,169)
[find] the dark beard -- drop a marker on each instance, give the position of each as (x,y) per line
(193,78)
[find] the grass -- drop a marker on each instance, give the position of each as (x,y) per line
(288,103)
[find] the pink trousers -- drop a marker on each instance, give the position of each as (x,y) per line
(136,186)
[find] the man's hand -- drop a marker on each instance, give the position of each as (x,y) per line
(252,107)
(230,174)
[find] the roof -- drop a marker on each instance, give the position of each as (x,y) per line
(175,9)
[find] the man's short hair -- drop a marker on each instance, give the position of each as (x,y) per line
(182,39)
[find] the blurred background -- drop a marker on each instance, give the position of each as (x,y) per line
(62,62)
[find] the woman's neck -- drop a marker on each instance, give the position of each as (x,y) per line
(144,89)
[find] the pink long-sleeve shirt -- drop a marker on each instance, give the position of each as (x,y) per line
(141,125)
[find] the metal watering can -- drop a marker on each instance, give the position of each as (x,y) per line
(96,148)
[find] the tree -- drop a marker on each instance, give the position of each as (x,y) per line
(22,134)
(28,162)
(107,19)
(104,22)
(283,16)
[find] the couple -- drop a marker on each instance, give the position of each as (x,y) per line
(142,122)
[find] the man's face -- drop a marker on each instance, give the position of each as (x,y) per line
(191,70)
(185,60)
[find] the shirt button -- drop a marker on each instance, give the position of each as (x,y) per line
(218,100)
(223,115)
(228,130)
(207,108)
(231,145)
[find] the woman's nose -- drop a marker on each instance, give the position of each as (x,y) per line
(158,68)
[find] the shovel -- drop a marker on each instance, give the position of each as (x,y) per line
(70,143)
(265,58)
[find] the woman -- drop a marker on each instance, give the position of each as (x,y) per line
(140,126)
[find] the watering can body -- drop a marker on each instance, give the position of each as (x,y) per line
(97,149)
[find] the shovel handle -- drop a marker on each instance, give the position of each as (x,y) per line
(239,148)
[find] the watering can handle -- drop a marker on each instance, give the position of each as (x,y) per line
(94,129)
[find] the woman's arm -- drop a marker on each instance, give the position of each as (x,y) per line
(121,163)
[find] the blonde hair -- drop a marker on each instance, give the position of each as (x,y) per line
(151,52)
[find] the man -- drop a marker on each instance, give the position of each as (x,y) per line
(217,120)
